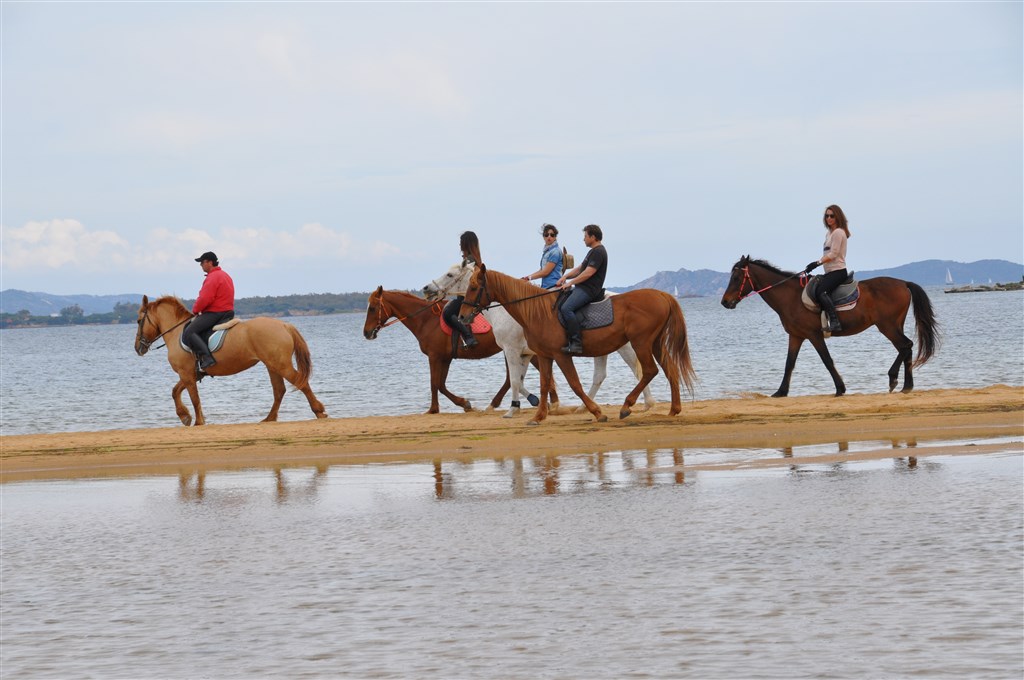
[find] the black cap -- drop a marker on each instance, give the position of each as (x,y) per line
(207,256)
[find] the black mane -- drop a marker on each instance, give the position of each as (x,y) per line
(746,260)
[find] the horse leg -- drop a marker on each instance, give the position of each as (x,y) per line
(600,373)
(629,356)
(546,373)
(314,404)
(500,394)
(179,408)
(517,372)
(904,355)
(568,369)
(794,349)
(193,394)
(435,380)
(649,369)
(818,342)
(277,382)
(461,402)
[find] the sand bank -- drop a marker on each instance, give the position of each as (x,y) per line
(749,420)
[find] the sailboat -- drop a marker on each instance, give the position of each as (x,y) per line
(949,277)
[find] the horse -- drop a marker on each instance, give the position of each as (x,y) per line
(421,317)
(246,344)
(884,302)
(512,341)
(650,320)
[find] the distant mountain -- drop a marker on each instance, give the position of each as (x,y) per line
(704,282)
(13,301)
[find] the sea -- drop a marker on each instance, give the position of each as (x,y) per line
(618,563)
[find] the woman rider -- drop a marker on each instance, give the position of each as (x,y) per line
(834,259)
(470,246)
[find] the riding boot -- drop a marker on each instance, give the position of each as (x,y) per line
(575,346)
(825,300)
(462,329)
(206,361)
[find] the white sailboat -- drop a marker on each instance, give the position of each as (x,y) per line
(949,277)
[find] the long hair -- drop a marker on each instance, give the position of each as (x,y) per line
(840,219)
(470,246)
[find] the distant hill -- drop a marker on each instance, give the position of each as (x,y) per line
(704,282)
(13,301)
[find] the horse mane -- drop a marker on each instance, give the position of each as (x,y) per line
(746,260)
(539,307)
(180,310)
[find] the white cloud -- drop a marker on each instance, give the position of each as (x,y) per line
(58,243)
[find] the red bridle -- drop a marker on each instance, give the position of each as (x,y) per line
(755,291)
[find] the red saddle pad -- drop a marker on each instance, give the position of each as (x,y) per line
(479,325)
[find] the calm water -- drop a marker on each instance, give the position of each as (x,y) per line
(89,378)
(595,565)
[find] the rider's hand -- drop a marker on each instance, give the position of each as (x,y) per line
(812,266)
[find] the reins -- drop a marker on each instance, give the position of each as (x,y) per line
(147,343)
(398,318)
(748,279)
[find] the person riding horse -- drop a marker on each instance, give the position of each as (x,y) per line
(587,281)
(215,304)
(470,247)
(834,259)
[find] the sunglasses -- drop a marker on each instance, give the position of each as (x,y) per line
(829,216)
(549,235)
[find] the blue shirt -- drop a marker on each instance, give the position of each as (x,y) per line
(552,253)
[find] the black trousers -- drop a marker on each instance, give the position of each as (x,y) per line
(830,281)
(451,317)
(198,327)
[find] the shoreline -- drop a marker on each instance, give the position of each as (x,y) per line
(748,421)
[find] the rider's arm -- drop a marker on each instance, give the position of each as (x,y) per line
(542,272)
(580,278)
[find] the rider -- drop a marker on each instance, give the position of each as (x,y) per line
(470,246)
(834,259)
(550,260)
(215,304)
(588,286)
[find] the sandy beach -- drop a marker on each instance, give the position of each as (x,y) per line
(750,420)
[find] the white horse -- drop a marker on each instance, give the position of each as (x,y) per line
(509,336)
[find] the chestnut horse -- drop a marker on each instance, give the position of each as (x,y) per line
(650,320)
(884,302)
(421,317)
(248,343)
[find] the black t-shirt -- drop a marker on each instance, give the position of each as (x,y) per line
(598,259)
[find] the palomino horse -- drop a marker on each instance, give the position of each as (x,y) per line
(884,302)
(650,320)
(512,341)
(248,343)
(421,317)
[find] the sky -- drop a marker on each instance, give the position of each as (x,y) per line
(335,147)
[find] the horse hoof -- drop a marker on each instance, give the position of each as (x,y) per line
(468,407)
(533,423)
(624,413)
(321,415)
(534,401)
(780,394)
(907,390)
(602,418)
(512,413)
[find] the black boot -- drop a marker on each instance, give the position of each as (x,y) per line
(206,361)
(575,346)
(469,339)
(825,300)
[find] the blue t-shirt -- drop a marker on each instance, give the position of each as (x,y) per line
(552,253)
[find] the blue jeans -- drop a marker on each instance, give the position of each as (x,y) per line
(567,312)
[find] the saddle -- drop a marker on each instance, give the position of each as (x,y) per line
(844,297)
(214,338)
(591,315)
(480,325)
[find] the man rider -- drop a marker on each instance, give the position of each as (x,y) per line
(215,304)
(588,286)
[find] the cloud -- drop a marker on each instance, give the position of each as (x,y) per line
(60,243)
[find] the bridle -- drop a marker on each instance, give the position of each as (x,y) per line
(754,290)
(143,342)
(442,291)
(479,306)
(383,315)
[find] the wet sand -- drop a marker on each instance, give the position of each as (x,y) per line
(747,421)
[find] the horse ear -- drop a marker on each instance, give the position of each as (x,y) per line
(145,300)
(482,267)
(380,289)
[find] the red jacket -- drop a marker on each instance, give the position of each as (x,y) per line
(217,293)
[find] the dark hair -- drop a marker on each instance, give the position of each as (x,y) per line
(594,231)
(840,219)
(470,246)
(544,228)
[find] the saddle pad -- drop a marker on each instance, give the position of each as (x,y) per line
(480,325)
(844,297)
(596,314)
(215,342)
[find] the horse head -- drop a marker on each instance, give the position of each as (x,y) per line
(375,314)
(452,282)
(476,296)
(739,279)
(142,340)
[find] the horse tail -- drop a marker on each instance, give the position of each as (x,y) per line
(303,361)
(676,346)
(927,325)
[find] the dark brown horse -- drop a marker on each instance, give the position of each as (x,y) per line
(884,302)
(420,316)
(248,343)
(649,319)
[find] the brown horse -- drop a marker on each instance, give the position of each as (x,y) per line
(420,316)
(649,319)
(248,343)
(884,302)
